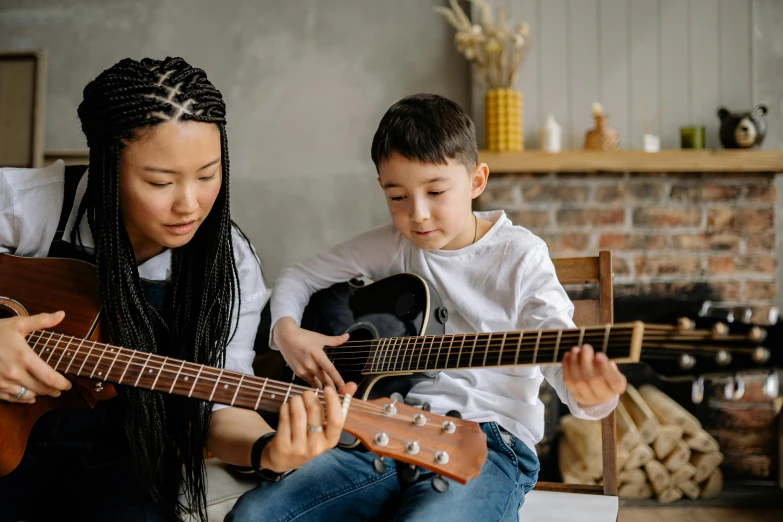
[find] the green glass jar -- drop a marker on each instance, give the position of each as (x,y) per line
(692,137)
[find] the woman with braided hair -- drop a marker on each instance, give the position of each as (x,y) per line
(176,278)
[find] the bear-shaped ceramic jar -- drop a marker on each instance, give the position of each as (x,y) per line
(743,130)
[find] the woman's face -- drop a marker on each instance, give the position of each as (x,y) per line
(169,179)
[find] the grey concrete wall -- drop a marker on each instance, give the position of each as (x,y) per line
(305,81)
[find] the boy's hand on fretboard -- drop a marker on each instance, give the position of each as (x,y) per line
(591,377)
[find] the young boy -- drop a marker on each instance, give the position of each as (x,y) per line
(491,276)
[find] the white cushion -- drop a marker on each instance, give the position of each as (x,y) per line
(550,506)
(224,487)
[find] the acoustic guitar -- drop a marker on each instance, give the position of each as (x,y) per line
(397,339)
(447,446)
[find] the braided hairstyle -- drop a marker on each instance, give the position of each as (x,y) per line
(166,434)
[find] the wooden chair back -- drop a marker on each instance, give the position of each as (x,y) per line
(588,312)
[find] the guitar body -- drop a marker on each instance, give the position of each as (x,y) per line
(402,305)
(59,284)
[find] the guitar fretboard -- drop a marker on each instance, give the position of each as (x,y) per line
(104,362)
(486,350)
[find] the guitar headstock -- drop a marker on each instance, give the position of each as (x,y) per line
(448,446)
(716,342)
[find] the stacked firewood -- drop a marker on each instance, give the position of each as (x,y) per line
(662,450)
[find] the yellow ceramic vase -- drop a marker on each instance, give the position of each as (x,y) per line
(503,120)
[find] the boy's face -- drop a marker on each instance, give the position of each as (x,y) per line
(431,204)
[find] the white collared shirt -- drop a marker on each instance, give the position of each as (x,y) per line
(30,205)
(504,282)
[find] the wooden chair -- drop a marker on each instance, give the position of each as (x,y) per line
(587,312)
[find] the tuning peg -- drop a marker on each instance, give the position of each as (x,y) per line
(722,358)
(743,314)
(439,484)
(397,397)
(684,324)
(772,385)
(757,334)
(454,413)
(687,361)
(734,388)
(409,474)
(426,406)
(378,465)
(697,390)
(719,330)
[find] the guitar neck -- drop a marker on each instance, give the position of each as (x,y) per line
(113,364)
(620,342)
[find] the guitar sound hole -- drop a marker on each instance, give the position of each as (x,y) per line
(7,309)
(363,332)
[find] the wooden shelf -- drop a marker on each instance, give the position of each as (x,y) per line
(635,161)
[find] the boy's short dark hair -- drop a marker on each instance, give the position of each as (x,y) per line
(426,128)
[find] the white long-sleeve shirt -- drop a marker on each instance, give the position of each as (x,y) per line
(505,281)
(30,204)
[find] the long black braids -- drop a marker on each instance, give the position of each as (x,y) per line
(166,434)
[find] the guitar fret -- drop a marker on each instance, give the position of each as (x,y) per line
(261,394)
(437,357)
(581,336)
(65,350)
(606,337)
(86,358)
(100,374)
(557,344)
(55,348)
(418,353)
(376,355)
(502,349)
(429,353)
(519,345)
(237,390)
(448,352)
(535,350)
(402,363)
(489,339)
(131,355)
(461,346)
(46,344)
(389,357)
(116,352)
(217,381)
(388,347)
(174,382)
(160,371)
(141,372)
(288,392)
(383,346)
(35,345)
(473,350)
(195,380)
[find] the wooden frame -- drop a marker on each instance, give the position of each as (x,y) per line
(586,270)
(713,161)
(22,103)
(70,157)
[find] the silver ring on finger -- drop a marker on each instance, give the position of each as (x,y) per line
(21,392)
(315,429)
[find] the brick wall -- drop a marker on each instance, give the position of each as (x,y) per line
(669,233)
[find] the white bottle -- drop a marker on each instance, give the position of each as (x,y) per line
(551,135)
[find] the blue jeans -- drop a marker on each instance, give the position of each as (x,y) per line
(342,485)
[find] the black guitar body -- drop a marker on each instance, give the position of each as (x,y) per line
(401,305)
